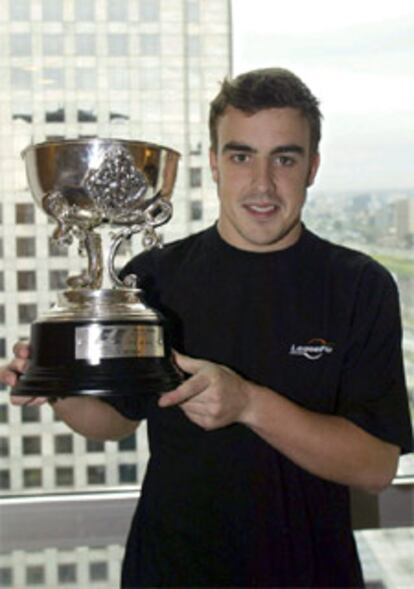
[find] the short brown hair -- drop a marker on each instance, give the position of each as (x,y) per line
(266,88)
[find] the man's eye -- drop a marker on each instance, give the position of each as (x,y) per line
(284,160)
(239,158)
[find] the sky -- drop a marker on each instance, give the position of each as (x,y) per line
(358,59)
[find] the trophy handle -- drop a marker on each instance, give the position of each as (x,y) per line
(158,213)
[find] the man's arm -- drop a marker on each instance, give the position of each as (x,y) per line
(87,416)
(328,446)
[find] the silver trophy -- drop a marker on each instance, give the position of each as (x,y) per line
(101,338)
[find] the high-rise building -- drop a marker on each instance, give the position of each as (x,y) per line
(132,69)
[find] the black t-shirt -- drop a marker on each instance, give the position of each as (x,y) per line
(317,323)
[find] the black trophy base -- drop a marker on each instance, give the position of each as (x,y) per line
(54,370)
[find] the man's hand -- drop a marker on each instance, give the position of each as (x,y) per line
(213,397)
(10,374)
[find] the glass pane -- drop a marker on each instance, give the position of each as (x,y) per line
(25,247)
(19,10)
(85,10)
(20,44)
(52,10)
(149,10)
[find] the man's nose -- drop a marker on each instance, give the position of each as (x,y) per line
(263,177)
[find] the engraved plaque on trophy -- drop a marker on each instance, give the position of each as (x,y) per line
(101,340)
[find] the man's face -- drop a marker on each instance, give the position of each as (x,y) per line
(262,168)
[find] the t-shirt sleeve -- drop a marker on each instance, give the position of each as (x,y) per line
(373,392)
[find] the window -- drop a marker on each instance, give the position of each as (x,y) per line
(149,10)
(195,177)
(4,479)
(25,214)
(67,573)
(52,10)
(19,10)
(53,44)
(85,44)
(98,571)
(27,312)
(1,281)
(4,413)
(117,45)
(96,475)
(32,445)
(32,477)
(57,249)
(85,78)
(53,78)
(30,414)
(127,473)
(26,280)
(57,279)
(2,347)
(55,116)
(193,11)
(35,575)
(84,10)
(4,446)
(64,444)
(86,116)
(150,44)
(117,10)
(21,79)
(25,247)
(196,210)
(20,44)
(2,314)
(6,577)
(129,443)
(95,446)
(194,45)
(64,476)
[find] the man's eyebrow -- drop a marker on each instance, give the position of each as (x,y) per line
(243,147)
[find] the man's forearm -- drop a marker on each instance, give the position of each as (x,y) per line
(93,418)
(328,446)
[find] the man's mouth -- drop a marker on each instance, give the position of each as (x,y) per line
(261,209)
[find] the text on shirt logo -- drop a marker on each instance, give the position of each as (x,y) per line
(313,350)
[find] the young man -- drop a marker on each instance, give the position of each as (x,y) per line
(296,388)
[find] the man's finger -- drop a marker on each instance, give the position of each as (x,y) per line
(190,388)
(188,364)
(21,349)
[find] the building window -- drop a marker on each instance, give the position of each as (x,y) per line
(85,78)
(95,446)
(55,116)
(98,571)
(96,475)
(27,313)
(194,45)
(57,279)
(4,480)
(149,10)
(30,414)
(6,577)
(64,444)
(4,446)
(25,214)
(85,10)
(19,10)
(21,79)
(32,477)
(53,44)
(196,210)
(32,445)
(193,11)
(117,45)
(2,315)
(117,10)
(2,347)
(20,45)
(195,177)
(67,573)
(53,78)
(52,10)
(129,443)
(35,575)
(85,44)
(4,413)
(127,473)
(64,476)
(26,280)
(150,45)
(87,116)
(25,247)
(1,281)
(57,249)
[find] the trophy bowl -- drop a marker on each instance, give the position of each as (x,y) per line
(101,338)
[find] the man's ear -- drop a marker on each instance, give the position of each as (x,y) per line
(213,164)
(313,170)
